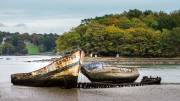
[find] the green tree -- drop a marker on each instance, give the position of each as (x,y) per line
(7,49)
(132,33)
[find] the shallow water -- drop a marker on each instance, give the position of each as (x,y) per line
(16,64)
(169,73)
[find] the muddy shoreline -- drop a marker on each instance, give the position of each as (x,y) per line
(9,92)
(169,90)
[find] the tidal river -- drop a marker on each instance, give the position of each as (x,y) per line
(18,64)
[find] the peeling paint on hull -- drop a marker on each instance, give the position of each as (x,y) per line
(62,72)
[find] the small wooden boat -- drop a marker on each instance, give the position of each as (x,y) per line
(100,72)
(62,72)
(151,80)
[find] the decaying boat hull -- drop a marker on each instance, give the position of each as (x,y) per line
(111,75)
(151,80)
(66,81)
(62,72)
(111,79)
(114,80)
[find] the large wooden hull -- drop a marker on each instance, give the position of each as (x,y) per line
(110,74)
(62,72)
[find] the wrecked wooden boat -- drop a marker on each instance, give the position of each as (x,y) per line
(62,72)
(101,72)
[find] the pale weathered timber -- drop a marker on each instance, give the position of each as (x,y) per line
(62,72)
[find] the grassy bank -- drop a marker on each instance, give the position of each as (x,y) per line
(32,49)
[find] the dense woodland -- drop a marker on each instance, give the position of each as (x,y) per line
(19,44)
(133,33)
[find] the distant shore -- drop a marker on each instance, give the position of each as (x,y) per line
(135,61)
(126,61)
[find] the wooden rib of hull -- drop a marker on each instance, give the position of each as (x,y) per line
(111,74)
(62,72)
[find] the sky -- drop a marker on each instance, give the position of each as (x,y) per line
(58,16)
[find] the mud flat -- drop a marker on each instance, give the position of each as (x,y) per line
(145,93)
(9,92)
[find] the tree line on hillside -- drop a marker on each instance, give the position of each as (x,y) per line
(131,33)
(16,43)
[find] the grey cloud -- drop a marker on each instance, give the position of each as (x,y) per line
(20,25)
(2,25)
(24,12)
